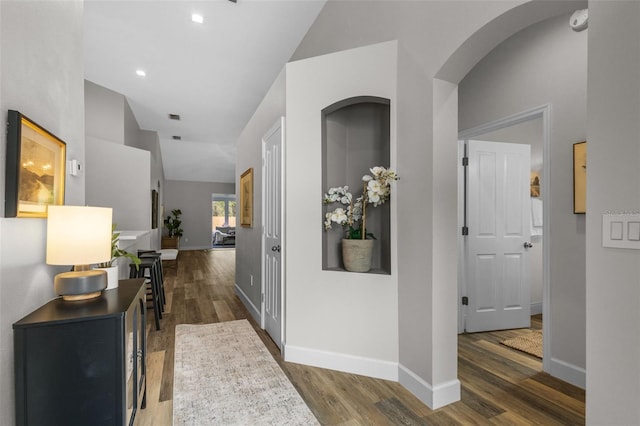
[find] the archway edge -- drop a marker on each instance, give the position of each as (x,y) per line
(483,41)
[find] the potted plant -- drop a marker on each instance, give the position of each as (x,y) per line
(116,252)
(173,222)
(357,244)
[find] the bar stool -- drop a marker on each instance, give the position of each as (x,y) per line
(150,265)
(149,254)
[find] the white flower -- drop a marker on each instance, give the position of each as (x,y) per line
(377,171)
(376,191)
(339,216)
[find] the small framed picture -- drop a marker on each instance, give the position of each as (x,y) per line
(35,168)
(246,199)
(580,177)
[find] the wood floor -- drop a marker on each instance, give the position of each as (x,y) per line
(500,386)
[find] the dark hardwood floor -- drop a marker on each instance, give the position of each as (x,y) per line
(500,386)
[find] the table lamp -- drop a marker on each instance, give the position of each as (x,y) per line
(79,236)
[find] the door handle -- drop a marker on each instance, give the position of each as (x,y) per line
(276,248)
(527,244)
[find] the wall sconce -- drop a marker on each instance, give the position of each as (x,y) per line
(79,236)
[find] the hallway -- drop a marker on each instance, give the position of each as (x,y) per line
(499,385)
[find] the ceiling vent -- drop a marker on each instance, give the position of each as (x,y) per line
(174,116)
(177,138)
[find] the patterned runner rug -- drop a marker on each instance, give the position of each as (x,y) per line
(224,375)
(530,343)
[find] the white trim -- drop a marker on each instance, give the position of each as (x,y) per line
(433,396)
(353,364)
(253,309)
(190,248)
(544,112)
(570,373)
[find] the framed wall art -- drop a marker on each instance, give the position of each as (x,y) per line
(154,209)
(246,199)
(580,177)
(535,184)
(35,168)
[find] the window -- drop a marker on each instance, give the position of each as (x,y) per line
(223,211)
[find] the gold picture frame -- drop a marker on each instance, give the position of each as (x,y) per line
(535,184)
(246,199)
(35,168)
(580,177)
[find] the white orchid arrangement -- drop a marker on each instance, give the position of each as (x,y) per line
(376,190)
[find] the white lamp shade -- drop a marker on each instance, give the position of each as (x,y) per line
(78,235)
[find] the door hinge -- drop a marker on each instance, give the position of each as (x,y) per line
(465,161)
(465,301)
(465,230)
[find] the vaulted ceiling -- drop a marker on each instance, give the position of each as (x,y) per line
(212,74)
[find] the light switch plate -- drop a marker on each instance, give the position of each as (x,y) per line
(621,231)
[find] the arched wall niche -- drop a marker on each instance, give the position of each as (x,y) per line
(356,137)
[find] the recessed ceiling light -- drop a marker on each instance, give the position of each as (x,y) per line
(141,73)
(197,18)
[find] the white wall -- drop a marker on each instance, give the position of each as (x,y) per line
(330,312)
(546,63)
(429,34)
(46,84)
(128,156)
(117,176)
(613,182)
(194,200)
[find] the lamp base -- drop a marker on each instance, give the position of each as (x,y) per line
(75,297)
(80,285)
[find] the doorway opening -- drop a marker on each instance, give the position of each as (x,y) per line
(223,220)
(527,128)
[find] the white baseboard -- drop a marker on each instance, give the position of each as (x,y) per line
(570,373)
(434,397)
(253,310)
(190,248)
(342,362)
(536,308)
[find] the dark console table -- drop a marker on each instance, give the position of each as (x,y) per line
(84,362)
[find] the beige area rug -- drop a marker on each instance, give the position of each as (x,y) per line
(224,375)
(530,343)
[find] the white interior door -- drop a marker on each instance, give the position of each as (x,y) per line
(499,228)
(272,231)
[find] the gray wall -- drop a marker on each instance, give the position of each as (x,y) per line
(613,179)
(194,199)
(131,128)
(117,175)
(149,141)
(248,240)
(545,63)
(45,84)
(104,112)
